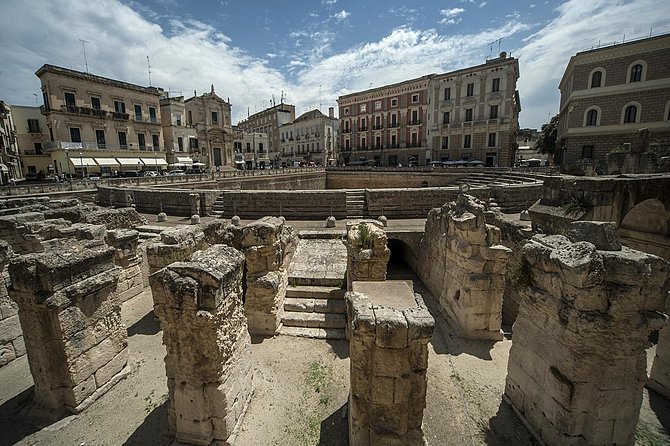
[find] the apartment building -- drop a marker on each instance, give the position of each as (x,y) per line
(181,139)
(251,150)
(10,166)
(210,115)
(465,116)
(268,121)
(32,137)
(311,137)
(608,93)
(99,125)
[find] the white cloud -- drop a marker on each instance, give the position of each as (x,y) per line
(329,2)
(482,4)
(450,16)
(341,15)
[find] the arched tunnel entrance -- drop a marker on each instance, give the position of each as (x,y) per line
(401,261)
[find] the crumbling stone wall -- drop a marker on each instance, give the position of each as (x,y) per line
(199,304)
(463,263)
(125,242)
(577,364)
(268,246)
(367,251)
(388,351)
(71,321)
(12,345)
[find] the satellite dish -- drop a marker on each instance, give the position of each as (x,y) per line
(464,188)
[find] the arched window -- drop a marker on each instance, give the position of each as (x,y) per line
(636,73)
(630,114)
(596,79)
(592,118)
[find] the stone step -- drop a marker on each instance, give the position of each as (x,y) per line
(314,320)
(318,333)
(155,229)
(315,292)
(317,281)
(308,305)
(322,233)
(148,235)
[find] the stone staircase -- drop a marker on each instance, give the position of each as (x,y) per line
(356,203)
(218,206)
(314,306)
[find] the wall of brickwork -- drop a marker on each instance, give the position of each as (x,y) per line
(602,144)
(413,203)
(289,204)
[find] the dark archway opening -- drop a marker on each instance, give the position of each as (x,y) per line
(399,262)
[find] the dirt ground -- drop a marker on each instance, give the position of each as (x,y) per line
(300,395)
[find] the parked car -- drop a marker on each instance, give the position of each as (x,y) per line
(150,173)
(34,176)
(176,172)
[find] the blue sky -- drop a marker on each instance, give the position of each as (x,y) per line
(313,51)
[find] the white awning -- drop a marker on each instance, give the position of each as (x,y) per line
(154,161)
(199,164)
(185,160)
(130,161)
(177,165)
(82,162)
(107,162)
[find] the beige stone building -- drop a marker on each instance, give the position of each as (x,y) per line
(608,93)
(32,136)
(209,114)
(468,116)
(251,150)
(10,166)
(268,121)
(180,138)
(311,137)
(99,125)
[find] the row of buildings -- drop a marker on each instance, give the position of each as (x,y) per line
(90,124)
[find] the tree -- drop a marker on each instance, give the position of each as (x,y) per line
(546,142)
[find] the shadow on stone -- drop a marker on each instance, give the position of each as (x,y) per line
(148,325)
(340,347)
(153,430)
(335,429)
(258,339)
(505,428)
(16,413)
(661,407)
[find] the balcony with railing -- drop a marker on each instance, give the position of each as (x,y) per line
(87,111)
(363,129)
(377,127)
(394,125)
(346,130)
(146,119)
(415,122)
(60,145)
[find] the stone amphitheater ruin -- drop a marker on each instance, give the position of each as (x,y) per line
(338,306)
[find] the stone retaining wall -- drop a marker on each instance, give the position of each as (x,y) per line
(413,203)
(296,205)
(180,202)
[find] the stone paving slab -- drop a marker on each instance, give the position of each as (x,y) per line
(317,259)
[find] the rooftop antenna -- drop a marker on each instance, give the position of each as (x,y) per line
(149,70)
(83,44)
(319,97)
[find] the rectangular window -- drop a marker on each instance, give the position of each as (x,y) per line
(95,103)
(494,112)
(415,117)
(495,85)
(467,141)
(468,114)
(193,143)
(177,119)
(394,141)
(138,112)
(446,117)
(248,147)
(33,126)
(587,152)
(155,142)
(378,142)
(180,143)
(100,139)
(492,139)
(123,142)
(363,145)
(447,94)
(119,106)
(69,99)
(75,134)
(415,98)
(470,89)
(378,105)
(215,117)
(346,144)
(394,120)
(415,142)
(363,108)
(38,148)
(445,142)
(141,141)
(346,110)
(394,102)
(378,122)
(152,114)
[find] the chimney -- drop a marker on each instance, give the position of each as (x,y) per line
(503,55)
(331,112)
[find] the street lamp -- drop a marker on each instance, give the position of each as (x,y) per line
(81,165)
(67,155)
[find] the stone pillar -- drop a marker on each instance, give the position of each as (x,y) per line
(71,320)
(473,281)
(267,245)
(199,304)
(577,364)
(194,202)
(659,377)
(367,251)
(11,338)
(390,330)
(130,280)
